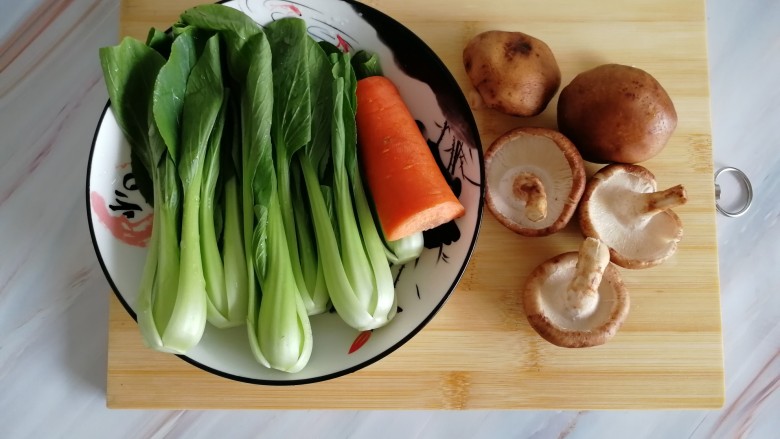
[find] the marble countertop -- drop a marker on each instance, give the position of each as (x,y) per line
(53,301)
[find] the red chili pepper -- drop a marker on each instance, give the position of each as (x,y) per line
(360,340)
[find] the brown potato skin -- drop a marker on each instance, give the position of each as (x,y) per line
(514,73)
(616,113)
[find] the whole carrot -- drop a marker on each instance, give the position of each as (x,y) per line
(409,192)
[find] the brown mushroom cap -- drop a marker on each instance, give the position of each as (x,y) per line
(543,301)
(616,113)
(553,159)
(622,207)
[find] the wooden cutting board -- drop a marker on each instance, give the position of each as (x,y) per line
(479,352)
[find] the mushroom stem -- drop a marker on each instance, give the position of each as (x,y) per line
(655,202)
(528,188)
(582,295)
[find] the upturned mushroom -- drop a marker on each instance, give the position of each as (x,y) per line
(535,178)
(623,207)
(577,299)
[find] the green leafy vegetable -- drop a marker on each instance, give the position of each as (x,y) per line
(258,180)
(261,215)
(355,269)
(284,338)
(213,270)
(278,327)
(130,71)
(381,299)
(203,100)
(235,304)
(291,127)
(366,64)
(236,29)
(169,88)
(315,297)
(249,62)
(159,41)
(405,250)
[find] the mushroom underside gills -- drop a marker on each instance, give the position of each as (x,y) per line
(616,215)
(553,299)
(541,157)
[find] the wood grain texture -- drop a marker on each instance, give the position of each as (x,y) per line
(479,352)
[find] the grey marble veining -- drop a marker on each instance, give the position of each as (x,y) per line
(53,301)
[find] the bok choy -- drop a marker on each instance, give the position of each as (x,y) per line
(277,322)
(203,102)
(248,137)
(291,126)
(356,270)
(130,70)
(278,325)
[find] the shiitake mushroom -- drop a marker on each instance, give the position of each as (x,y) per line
(616,113)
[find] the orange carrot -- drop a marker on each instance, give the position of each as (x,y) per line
(408,189)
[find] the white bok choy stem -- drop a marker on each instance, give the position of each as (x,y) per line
(279,328)
(356,271)
(203,101)
(223,267)
(130,70)
(404,250)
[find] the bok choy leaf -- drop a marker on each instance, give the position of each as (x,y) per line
(381,298)
(213,270)
(130,70)
(355,269)
(284,338)
(292,124)
(203,100)
(222,243)
(278,325)
(236,29)
(247,51)
(235,304)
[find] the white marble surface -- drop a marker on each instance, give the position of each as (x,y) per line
(53,296)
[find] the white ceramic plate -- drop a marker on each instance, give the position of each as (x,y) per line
(120,220)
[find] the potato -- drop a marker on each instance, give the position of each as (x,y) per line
(616,113)
(513,72)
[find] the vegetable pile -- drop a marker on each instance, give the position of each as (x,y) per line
(614,114)
(248,136)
